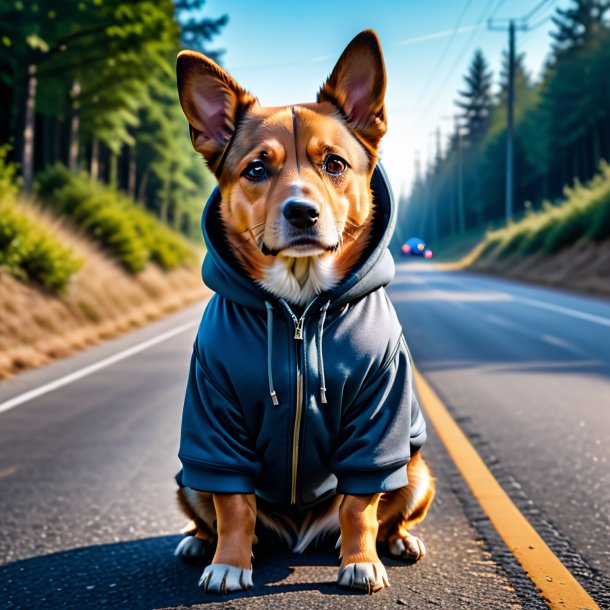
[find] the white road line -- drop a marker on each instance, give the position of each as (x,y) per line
(565,310)
(92,368)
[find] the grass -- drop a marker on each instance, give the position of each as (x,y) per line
(102,300)
(28,249)
(125,230)
(106,267)
(584,214)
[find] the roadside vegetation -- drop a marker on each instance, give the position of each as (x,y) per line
(28,249)
(561,137)
(100,189)
(130,233)
(584,214)
(73,273)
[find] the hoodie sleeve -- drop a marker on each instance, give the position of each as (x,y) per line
(215,446)
(379,430)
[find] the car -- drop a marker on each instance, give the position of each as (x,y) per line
(415,247)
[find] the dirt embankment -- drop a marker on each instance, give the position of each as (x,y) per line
(583,267)
(102,301)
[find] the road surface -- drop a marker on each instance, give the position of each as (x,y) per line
(87,511)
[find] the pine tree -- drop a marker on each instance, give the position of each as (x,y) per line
(579,24)
(476,99)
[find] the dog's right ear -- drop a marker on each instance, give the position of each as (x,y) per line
(357,87)
(212,102)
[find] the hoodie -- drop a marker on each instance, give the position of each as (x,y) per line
(295,408)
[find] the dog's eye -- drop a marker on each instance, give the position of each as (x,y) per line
(255,170)
(334,165)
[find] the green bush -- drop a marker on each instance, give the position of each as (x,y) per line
(8,175)
(29,252)
(584,214)
(127,231)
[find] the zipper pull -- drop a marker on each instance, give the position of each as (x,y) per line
(298,329)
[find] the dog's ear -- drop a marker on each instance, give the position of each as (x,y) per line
(357,86)
(212,102)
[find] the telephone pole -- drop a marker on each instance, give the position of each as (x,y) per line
(459,181)
(513,26)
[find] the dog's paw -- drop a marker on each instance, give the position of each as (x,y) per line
(220,578)
(407,548)
(367,577)
(193,550)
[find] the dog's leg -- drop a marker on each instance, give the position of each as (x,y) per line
(360,564)
(401,509)
(200,540)
(231,567)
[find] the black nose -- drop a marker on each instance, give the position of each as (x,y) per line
(301,214)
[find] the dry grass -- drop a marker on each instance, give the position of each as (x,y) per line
(102,301)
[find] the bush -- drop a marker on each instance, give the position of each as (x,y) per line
(29,252)
(8,173)
(584,214)
(127,231)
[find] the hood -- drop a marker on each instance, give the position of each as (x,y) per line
(375,269)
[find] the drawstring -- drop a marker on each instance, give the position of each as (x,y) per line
(321,379)
(274,399)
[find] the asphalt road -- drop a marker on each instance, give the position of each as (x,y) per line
(87,511)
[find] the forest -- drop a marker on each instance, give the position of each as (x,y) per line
(90,85)
(561,133)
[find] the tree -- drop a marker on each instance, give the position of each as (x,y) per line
(476,99)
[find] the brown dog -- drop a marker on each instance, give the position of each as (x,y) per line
(295,216)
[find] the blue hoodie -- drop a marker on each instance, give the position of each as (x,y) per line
(296,408)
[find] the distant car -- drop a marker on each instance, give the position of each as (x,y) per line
(415,247)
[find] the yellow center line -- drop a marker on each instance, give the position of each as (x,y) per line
(558,588)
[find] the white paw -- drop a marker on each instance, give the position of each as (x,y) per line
(369,577)
(409,548)
(192,549)
(220,578)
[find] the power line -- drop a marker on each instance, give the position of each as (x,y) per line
(443,55)
(537,8)
(465,48)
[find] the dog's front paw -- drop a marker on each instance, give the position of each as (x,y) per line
(220,578)
(407,547)
(368,577)
(193,550)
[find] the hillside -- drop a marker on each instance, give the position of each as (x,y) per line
(71,279)
(565,245)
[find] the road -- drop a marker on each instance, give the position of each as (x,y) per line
(87,511)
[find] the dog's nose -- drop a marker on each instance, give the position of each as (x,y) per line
(301,214)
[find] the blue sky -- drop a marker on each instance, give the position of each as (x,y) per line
(283,51)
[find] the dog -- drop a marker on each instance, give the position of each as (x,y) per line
(299,418)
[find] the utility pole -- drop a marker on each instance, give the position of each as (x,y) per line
(434,198)
(510,148)
(459,172)
(513,26)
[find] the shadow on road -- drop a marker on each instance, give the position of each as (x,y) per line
(144,574)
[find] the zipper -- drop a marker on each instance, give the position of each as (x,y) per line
(299,324)
(298,414)
(295,437)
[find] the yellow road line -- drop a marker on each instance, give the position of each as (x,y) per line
(558,588)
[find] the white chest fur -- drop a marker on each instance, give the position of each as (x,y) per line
(299,279)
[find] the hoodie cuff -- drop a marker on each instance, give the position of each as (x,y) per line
(206,477)
(372,482)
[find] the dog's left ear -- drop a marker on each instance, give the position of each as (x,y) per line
(357,86)
(212,102)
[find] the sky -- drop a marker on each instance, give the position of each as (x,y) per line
(283,51)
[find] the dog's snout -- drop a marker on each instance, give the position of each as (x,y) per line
(301,214)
